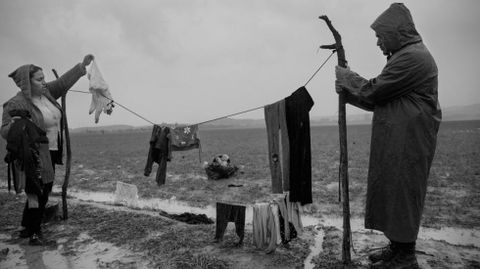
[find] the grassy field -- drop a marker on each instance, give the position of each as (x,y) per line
(453,198)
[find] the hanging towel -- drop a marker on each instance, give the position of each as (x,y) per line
(276,123)
(259,223)
(273,228)
(159,152)
(294,213)
(230,213)
(297,107)
(284,224)
(102,99)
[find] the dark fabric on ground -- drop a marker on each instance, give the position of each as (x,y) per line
(189,218)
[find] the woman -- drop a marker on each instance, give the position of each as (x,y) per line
(38,100)
(406,119)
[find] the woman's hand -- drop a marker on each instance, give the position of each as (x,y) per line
(87,60)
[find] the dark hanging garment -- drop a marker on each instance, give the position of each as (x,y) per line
(159,152)
(230,213)
(278,146)
(297,107)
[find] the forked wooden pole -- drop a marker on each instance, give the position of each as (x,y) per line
(342,124)
(69,154)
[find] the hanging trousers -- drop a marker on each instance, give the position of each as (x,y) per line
(159,152)
(230,213)
(162,169)
(276,123)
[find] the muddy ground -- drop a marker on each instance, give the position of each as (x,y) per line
(147,240)
(105,235)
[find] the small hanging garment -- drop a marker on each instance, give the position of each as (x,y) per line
(297,108)
(266,226)
(159,152)
(102,99)
(259,223)
(230,213)
(184,137)
(294,214)
(287,229)
(273,231)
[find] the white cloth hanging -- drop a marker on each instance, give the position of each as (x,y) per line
(101,97)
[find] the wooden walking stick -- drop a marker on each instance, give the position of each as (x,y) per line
(342,124)
(69,154)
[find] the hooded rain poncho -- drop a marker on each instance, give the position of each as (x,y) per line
(406,119)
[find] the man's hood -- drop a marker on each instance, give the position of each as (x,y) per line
(21,76)
(396,25)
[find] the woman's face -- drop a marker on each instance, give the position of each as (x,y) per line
(37,82)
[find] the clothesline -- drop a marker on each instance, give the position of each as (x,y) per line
(215,119)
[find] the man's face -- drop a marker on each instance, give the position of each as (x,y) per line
(381,45)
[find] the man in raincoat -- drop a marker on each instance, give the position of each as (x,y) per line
(406,119)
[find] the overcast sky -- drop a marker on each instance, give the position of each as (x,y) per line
(192,61)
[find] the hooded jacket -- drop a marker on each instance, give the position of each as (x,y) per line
(23,101)
(406,119)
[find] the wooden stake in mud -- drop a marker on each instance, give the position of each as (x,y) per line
(342,124)
(69,154)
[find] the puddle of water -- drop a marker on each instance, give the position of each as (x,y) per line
(315,249)
(454,236)
(90,254)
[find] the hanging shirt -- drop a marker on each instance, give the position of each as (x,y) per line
(51,117)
